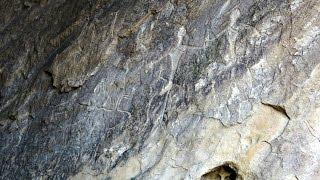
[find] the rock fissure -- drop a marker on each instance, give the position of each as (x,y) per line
(278,108)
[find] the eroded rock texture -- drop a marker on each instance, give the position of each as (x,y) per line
(148,89)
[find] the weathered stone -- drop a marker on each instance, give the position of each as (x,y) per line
(170,89)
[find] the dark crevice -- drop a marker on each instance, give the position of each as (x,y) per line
(278,108)
(227,171)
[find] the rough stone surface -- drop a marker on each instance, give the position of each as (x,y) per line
(179,89)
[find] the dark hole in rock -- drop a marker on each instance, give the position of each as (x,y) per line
(227,171)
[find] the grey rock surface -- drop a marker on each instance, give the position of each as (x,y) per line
(169,89)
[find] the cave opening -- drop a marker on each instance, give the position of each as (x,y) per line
(227,171)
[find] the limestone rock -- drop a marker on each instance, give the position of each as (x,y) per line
(170,89)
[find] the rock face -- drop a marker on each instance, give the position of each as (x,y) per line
(179,89)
